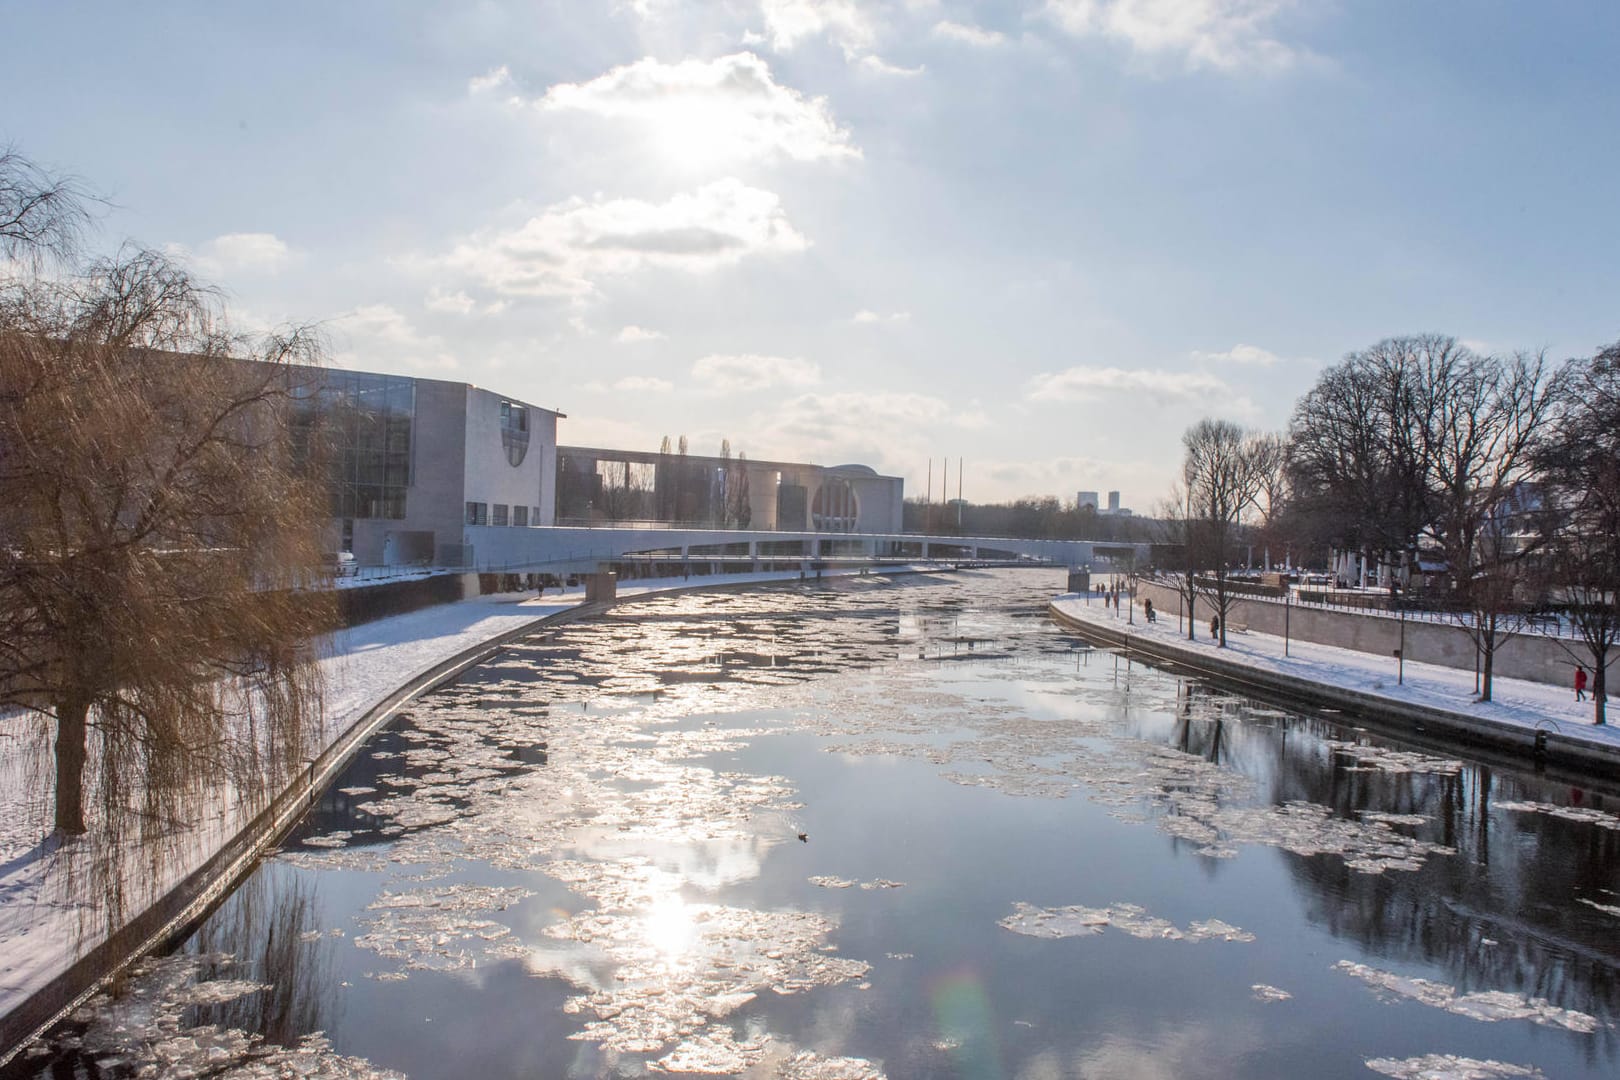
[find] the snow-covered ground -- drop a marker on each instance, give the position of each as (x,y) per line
(1515,702)
(48,915)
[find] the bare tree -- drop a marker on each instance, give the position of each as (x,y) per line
(1580,467)
(1270,460)
(1185,537)
(1221,477)
(1485,417)
(43,215)
(156,530)
(1358,446)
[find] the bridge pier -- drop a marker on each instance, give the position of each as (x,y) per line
(601,587)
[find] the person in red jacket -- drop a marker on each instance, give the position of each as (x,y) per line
(1580,683)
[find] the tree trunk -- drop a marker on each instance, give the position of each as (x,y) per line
(70,755)
(1488,646)
(1599,690)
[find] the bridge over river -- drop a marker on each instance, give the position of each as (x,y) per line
(574,549)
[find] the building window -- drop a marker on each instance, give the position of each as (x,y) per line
(499,516)
(477,513)
(520,515)
(360,427)
(514,432)
(835,508)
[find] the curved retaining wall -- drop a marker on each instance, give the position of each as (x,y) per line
(1602,760)
(1533,657)
(178,910)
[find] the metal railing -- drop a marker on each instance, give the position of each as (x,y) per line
(1403,608)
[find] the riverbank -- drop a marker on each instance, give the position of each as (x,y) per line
(54,950)
(1526,719)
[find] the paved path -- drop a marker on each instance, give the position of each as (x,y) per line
(1518,708)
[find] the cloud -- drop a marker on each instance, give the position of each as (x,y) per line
(633,384)
(250,252)
(566,248)
(459,303)
(495,79)
(1093,383)
(882,429)
(879,66)
(631,335)
(1242,355)
(724,109)
(872,318)
(968,34)
(379,336)
(735,374)
(844,22)
(1226,35)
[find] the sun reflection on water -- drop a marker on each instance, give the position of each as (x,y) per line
(669,927)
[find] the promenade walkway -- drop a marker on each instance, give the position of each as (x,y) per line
(1423,693)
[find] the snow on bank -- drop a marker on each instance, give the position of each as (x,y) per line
(46,907)
(1515,702)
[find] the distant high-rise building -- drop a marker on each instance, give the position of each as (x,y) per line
(1113,502)
(1085,499)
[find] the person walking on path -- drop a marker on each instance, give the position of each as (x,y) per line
(1580,683)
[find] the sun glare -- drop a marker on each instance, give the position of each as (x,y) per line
(670,928)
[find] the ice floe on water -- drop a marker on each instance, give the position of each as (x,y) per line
(1268,993)
(1585,815)
(1488,1005)
(440,929)
(1448,1067)
(1076,921)
(675,969)
(1607,909)
(141,1032)
(1388,759)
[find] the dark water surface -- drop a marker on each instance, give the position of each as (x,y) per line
(901,829)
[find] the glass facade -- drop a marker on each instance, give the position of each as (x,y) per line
(362,426)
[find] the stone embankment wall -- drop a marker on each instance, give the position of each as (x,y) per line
(1535,657)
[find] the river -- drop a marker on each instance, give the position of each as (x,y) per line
(903,829)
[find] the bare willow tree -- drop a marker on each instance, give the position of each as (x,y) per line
(157,526)
(42,214)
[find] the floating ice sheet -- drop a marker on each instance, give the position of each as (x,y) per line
(141,1031)
(1488,1005)
(1448,1067)
(1075,921)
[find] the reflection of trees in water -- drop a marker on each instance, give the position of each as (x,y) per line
(1500,914)
(269,931)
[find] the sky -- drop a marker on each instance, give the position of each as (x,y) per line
(1041,238)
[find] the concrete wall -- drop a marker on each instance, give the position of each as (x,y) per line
(881,501)
(438,454)
(1535,657)
(487,476)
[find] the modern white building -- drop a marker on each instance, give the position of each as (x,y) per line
(414,461)
(414,464)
